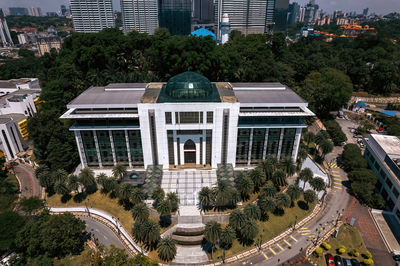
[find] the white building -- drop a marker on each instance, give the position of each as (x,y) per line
(92,15)
(12,85)
(188,122)
(5,36)
(139,15)
(383,156)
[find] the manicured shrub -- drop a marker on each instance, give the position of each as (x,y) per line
(342,250)
(318,252)
(368,262)
(326,246)
(368,255)
(355,253)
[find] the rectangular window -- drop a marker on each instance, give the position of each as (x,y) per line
(120,146)
(168,118)
(273,141)
(89,148)
(208,146)
(210,117)
(257,146)
(242,149)
(189,117)
(395,192)
(170,147)
(176,117)
(389,183)
(201,117)
(135,147)
(105,147)
(289,135)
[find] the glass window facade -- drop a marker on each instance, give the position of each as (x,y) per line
(269,120)
(273,141)
(90,148)
(189,117)
(242,149)
(135,146)
(257,146)
(289,135)
(168,118)
(104,141)
(120,148)
(210,117)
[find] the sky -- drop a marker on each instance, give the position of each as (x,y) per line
(377,6)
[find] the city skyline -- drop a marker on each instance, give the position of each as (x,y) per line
(381,7)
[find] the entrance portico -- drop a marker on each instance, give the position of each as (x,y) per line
(189,148)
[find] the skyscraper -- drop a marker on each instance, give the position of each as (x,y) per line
(203,11)
(139,15)
(35,11)
(5,36)
(18,11)
(280,15)
(175,15)
(63,9)
(365,11)
(293,13)
(92,15)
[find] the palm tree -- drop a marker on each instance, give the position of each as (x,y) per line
(125,192)
(252,211)
(294,193)
(225,194)
(244,186)
(326,147)
(163,208)
(212,234)
(110,184)
(60,175)
(279,178)
(151,232)
(310,196)
(309,137)
(86,177)
(267,204)
(302,154)
(140,212)
(119,171)
(237,219)
(158,194)
(321,136)
(61,188)
(249,231)
(101,179)
(282,200)
(45,178)
(166,249)
(73,183)
(138,230)
(306,175)
(173,199)
(269,166)
(269,190)
(258,178)
(227,236)
(318,183)
(137,195)
(206,197)
(288,166)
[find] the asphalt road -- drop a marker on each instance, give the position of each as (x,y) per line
(287,251)
(104,234)
(30,186)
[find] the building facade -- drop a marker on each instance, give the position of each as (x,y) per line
(139,15)
(92,15)
(5,36)
(175,15)
(383,156)
(188,122)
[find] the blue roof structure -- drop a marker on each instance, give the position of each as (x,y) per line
(389,113)
(202,32)
(361,104)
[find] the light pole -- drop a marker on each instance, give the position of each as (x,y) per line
(337,218)
(87,208)
(294,226)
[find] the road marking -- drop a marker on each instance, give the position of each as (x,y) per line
(287,243)
(335,171)
(304,231)
(304,228)
(266,257)
(293,238)
(337,187)
(337,179)
(336,175)
(337,183)
(272,251)
(279,246)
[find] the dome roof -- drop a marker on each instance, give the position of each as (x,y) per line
(188,85)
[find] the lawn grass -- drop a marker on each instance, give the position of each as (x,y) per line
(252,198)
(269,229)
(350,238)
(82,259)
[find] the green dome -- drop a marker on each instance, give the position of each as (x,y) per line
(189,85)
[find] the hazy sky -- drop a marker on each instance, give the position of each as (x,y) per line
(377,6)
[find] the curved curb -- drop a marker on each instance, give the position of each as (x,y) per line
(107,220)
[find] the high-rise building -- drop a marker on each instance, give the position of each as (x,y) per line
(35,11)
(280,15)
(5,36)
(302,13)
(175,15)
(63,10)
(92,15)
(293,13)
(365,11)
(139,15)
(203,11)
(18,11)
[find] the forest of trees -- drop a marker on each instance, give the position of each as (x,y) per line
(325,74)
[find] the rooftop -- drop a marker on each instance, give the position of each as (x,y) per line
(16,96)
(390,144)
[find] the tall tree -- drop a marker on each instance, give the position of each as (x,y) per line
(119,171)
(308,137)
(173,200)
(212,233)
(140,212)
(282,200)
(258,178)
(249,231)
(269,166)
(252,211)
(158,194)
(166,249)
(266,204)
(288,166)
(279,178)
(244,185)
(294,192)
(317,183)
(137,195)
(269,190)
(228,234)
(326,147)
(86,177)
(310,196)
(306,175)
(73,183)
(125,192)
(237,219)
(206,197)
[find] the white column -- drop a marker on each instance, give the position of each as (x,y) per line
(197,143)
(280,143)
(265,144)
(112,147)
(96,143)
(175,148)
(182,151)
(128,148)
(79,143)
(204,147)
(250,146)
(296,144)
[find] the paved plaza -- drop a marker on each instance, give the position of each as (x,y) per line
(188,184)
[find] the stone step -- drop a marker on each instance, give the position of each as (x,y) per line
(188,240)
(196,219)
(189,229)
(190,255)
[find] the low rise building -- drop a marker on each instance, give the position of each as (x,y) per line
(383,156)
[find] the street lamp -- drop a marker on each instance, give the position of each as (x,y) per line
(294,226)
(337,218)
(86,204)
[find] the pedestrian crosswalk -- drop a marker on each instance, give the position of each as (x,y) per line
(334,165)
(280,246)
(336,178)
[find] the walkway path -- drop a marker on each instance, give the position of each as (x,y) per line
(30,186)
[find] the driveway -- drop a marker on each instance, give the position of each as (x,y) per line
(30,186)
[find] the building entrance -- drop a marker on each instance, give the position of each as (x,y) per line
(190,152)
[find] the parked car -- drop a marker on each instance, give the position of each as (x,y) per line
(352,130)
(362,145)
(338,261)
(357,136)
(329,260)
(346,262)
(355,262)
